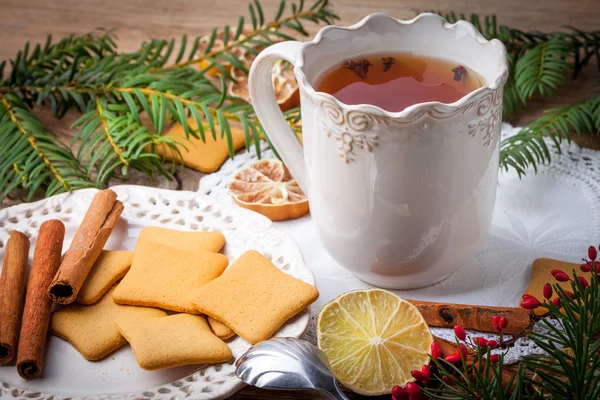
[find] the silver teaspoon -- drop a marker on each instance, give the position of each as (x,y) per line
(288,363)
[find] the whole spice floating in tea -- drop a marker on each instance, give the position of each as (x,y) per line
(360,68)
(387,63)
(459,72)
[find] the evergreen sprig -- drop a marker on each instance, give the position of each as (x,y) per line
(529,148)
(127,100)
(569,369)
(263,34)
(31,156)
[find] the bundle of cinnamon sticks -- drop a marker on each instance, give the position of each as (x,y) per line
(24,318)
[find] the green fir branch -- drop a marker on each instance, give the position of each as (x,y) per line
(570,368)
(544,68)
(128,99)
(32,158)
(262,35)
(529,148)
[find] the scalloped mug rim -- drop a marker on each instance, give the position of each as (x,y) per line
(418,108)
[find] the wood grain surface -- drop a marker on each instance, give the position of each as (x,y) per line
(139,20)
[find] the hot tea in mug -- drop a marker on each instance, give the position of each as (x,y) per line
(394,81)
(401,137)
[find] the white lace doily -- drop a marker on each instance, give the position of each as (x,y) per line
(554,214)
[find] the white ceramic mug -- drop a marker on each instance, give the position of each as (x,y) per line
(401,199)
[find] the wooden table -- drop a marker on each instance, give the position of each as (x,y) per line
(139,20)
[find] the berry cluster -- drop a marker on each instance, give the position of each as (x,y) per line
(413,391)
(530,302)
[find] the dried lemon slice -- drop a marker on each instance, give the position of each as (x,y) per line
(267,187)
(373,339)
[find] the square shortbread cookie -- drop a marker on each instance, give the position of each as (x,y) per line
(220,329)
(92,330)
(171,341)
(211,242)
(110,266)
(165,277)
(254,298)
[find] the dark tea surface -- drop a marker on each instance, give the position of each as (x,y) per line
(398,80)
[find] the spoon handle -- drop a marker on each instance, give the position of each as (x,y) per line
(334,393)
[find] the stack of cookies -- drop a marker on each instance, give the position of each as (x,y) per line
(175,300)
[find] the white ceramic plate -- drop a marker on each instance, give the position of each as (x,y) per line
(67,374)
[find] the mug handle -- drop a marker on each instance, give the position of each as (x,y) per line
(267,109)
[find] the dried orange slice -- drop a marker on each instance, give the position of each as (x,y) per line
(267,187)
(284,85)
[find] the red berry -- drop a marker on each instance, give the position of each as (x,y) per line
(453,358)
(592,253)
(479,341)
(503,322)
(570,294)
(583,282)
(460,333)
(425,369)
(398,393)
(530,304)
(557,302)
(557,271)
(492,344)
(587,267)
(414,391)
(462,349)
(547,291)
(562,277)
(447,380)
(496,323)
(494,358)
(436,352)
(420,376)
(528,297)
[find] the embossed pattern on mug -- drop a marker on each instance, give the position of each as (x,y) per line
(398,80)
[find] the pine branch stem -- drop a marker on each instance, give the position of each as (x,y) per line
(117,149)
(540,73)
(171,96)
(19,172)
(243,39)
(31,140)
(24,89)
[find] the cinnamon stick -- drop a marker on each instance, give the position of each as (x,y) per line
(36,315)
(90,238)
(478,318)
(14,276)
